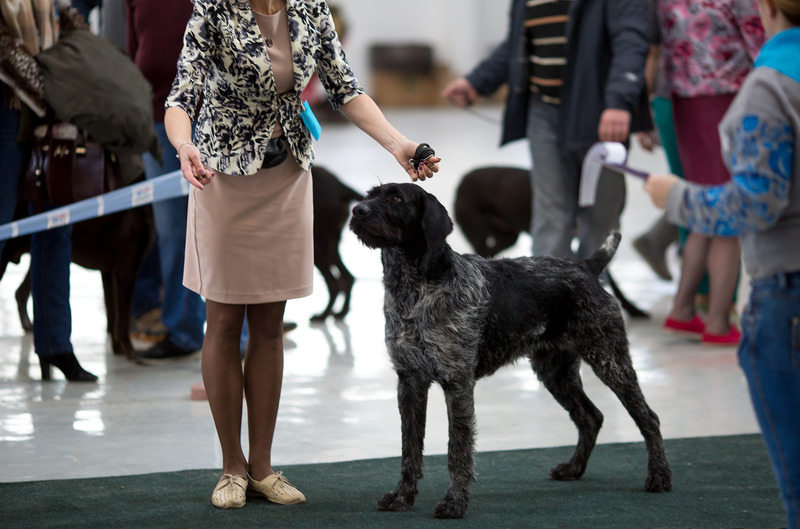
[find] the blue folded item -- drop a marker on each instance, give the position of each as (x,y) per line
(310,120)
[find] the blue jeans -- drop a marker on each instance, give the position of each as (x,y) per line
(51,255)
(182,311)
(769,354)
(11,154)
(555,179)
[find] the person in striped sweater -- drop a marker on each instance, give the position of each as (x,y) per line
(575,73)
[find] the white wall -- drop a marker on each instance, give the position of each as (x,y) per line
(462,32)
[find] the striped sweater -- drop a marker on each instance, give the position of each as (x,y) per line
(545,26)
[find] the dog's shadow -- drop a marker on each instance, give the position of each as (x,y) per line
(341,345)
(25,350)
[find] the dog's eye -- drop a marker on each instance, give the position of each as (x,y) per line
(397,198)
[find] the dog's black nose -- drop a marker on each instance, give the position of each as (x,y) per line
(360,210)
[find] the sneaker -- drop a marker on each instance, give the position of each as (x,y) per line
(230,492)
(163,352)
(732,338)
(276,489)
(693,327)
(149,328)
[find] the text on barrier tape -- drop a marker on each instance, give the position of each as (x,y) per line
(170,185)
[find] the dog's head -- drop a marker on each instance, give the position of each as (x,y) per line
(406,217)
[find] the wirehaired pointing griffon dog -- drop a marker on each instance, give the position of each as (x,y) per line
(454,319)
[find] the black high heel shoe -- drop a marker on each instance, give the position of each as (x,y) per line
(68,365)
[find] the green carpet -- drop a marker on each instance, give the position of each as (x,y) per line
(719,482)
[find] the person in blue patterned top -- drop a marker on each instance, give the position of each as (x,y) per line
(249,237)
(761,204)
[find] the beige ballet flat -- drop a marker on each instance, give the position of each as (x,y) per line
(276,489)
(230,492)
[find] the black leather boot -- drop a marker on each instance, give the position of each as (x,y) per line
(68,365)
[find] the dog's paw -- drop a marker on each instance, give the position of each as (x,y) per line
(659,481)
(392,501)
(450,509)
(567,472)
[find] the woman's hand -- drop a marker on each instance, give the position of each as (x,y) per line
(425,169)
(658,186)
(192,167)
(179,131)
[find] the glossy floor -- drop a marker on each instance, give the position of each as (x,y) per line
(339,389)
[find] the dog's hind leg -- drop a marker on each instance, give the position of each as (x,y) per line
(112,296)
(564,383)
(333,292)
(22,295)
(412,400)
(620,377)
(346,281)
(460,448)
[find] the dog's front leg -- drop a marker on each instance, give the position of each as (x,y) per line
(460,449)
(412,400)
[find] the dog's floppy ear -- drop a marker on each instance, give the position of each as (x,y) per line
(436,226)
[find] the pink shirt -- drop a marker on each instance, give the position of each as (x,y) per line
(709,45)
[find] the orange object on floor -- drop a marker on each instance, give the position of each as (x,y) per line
(199,391)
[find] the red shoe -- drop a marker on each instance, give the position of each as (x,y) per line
(693,327)
(732,338)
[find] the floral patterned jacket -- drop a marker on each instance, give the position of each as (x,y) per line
(709,45)
(225,60)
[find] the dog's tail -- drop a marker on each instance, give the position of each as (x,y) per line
(600,259)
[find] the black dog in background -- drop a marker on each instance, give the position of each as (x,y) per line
(453,319)
(114,244)
(493,206)
(332,201)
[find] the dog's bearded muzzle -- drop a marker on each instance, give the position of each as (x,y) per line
(372,229)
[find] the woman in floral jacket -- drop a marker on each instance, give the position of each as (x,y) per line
(709,48)
(249,234)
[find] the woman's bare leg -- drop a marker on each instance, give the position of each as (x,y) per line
(724,256)
(263,377)
(224,382)
(693,269)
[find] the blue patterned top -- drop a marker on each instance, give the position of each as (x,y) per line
(760,160)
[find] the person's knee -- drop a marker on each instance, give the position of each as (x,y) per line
(224,321)
(265,321)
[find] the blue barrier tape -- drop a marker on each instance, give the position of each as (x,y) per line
(164,187)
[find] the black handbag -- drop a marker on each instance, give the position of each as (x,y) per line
(65,167)
(276,152)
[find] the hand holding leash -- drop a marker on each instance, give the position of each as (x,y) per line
(424,162)
(421,155)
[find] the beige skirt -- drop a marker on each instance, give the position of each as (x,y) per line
(249,239)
